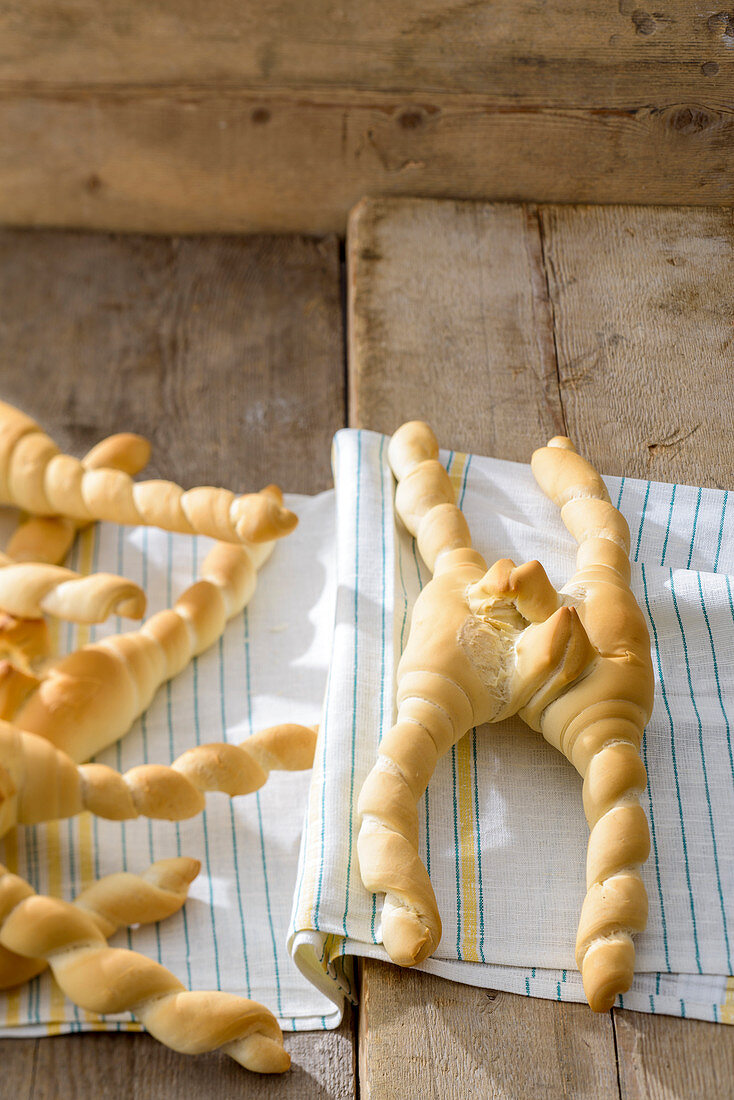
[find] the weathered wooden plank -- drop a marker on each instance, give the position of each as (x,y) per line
(18,1061)
(560,53)
(643,302)
(449,319)
(228,355)
(423,1036)
(125,1067)
(663,1059)
(188,160)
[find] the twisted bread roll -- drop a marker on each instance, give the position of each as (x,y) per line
(29,590)
(485,645)
(35,476)
(40,783)
(49,538)
(24,641)
(90,698)
(16,684)
(465,663)
(114,902)
(103,979)
(598,722)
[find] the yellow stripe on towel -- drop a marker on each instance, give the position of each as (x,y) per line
(727,1009)
(85,843)
(12,999)
(467,825)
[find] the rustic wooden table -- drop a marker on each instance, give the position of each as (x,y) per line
(502,325)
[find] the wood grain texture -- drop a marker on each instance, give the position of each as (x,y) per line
(637,304)
(424,1036)
(225,353)
(128,1067)
(664,1059)
(643,301)
(449,320)
(191,160)
(228,355)
(18,1061)
(560,53)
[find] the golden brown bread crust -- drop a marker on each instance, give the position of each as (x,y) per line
(36,477)
(38,782)
(49,538)
(598,722)
(89,699)
(103,979)
(486,644)
(29,590)
(116,901)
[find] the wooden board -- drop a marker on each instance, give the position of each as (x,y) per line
(228,355)
(191,160)
(643,303)
(515,52)
(423,1036)
(479,318)
(280,115)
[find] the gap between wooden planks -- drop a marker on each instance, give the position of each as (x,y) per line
(503,325)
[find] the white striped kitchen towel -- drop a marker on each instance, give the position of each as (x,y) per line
(270,666)
(503,831)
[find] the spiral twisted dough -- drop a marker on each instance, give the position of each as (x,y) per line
(465,664)
(486,644)
(104,979)
(35,476)
(90,698)
(29,590)
(38,782)
(117,901)
(598,722)
(48,538)
(23,641)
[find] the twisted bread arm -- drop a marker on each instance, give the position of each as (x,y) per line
(35,476)
(38,782)
(49,538)
(598,722)
(15,686)
(23,641)
(29,590)
(104,979)
(387,844)
(90,698)
(472,657)
(114,902)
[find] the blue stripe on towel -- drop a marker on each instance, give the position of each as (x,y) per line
(248,681)
(667,529)
(204,823)
(721,531)
(695,524)
(642,520)
(703,763)
(664,693)
(233,826)
(355,679)
(171,747)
